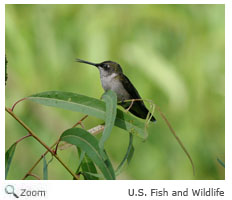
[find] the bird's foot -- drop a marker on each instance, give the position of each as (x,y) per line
(131,104)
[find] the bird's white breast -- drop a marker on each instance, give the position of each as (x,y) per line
(111,82)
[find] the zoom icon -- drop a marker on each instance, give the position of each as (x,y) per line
(9,189)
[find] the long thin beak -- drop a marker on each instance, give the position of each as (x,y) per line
(86,62)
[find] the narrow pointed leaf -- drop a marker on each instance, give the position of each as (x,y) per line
(88,169)
(111,109)
(90,106)
(107,161)
(94,175)
(81,157)
(86,165)
(88,143)
(221,163)
(128,155)
(8,158)
(45,169)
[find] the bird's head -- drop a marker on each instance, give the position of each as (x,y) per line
(106,68)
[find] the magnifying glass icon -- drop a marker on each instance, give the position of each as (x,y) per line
(9,189)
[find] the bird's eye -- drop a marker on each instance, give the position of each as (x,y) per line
(106,66)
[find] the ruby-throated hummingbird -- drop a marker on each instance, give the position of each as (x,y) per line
(112,78)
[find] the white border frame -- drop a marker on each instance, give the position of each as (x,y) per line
(119,189)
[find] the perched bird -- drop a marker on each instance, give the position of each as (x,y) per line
(112,78)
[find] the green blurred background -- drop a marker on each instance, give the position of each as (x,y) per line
(173,54)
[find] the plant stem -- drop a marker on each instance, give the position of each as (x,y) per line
(40,141)
(22,138)
(79,122)
(35,176)
(41,157)
(17,103)
(37,162)
(177,139)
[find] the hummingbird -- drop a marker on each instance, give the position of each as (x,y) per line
(112,78)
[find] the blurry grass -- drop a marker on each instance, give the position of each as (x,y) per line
(173,54)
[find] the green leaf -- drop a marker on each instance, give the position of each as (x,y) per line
(88,143)
(128,155)
(89,106)
(111,109)
(88,169)
(94,175)
(81,157)
(45,169)
(87,166)
(221,163)
(8,158)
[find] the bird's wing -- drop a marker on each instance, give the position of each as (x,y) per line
(129,87)
(138,108)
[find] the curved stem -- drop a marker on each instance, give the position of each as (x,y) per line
(19,140)
(40,141)
(37,162)
(55,144)
(17,103)
(79,122)
(177,138)
(35,176)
